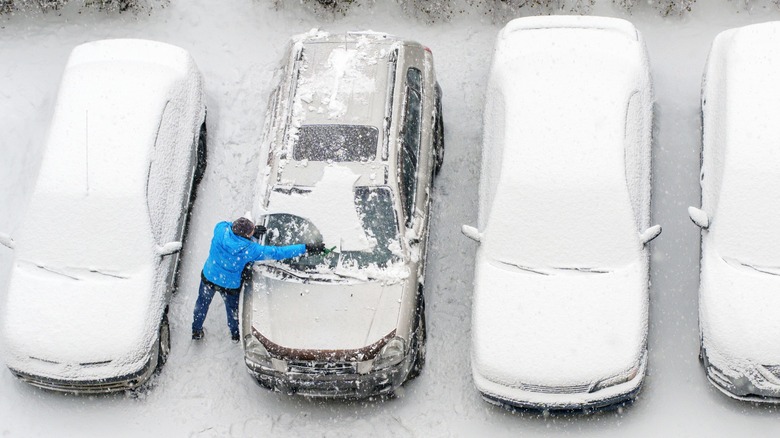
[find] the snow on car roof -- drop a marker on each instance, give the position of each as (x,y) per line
(343,79)
(582,114)
(748,67)
(742,107)
(108,111)
(565,84)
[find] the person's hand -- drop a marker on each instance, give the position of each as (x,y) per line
(315,248)
(259,231)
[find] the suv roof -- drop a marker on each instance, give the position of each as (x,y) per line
(343,79)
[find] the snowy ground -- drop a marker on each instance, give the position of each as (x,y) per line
(204,389)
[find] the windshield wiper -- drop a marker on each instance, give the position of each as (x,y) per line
(771,270)
(54,271)
(289,190)
(281,268)
(587,270)
(523,268)
(96,271)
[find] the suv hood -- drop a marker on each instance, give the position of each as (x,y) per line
(324,316)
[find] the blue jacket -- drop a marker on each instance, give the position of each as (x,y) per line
(230,253)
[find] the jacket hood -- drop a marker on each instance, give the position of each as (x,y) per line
(232,244)
(559,328)
(324,316)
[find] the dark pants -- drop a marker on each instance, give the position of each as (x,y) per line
(205,295)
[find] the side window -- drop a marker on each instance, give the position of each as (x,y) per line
(162,191)
(410,150)
(636,158)
(494,119)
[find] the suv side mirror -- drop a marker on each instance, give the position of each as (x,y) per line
(168,249)
(471,232)
(699,217)
(6,241)
(650,234)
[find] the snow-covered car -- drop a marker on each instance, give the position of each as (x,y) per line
(97,251)
(561,277)
(739,300)
(354,135)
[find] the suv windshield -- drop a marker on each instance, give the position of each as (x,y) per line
(374,207)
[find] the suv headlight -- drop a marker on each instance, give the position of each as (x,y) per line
(616,380)
(256,353)
(392,354)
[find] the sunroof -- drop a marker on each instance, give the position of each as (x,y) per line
(336,143)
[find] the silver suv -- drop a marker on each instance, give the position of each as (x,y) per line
(354,137)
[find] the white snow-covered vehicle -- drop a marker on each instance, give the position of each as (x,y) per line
(739,294)
(97,251)
(561,278)
(354,134)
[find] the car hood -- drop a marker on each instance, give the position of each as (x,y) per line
(86,318)
(739,310)
(324,316)
(562,329)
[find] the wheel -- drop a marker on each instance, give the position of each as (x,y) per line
(163,341)
(200,167)
(420,339)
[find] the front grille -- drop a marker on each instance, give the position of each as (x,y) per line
(571,389)
(76,386)
(322,368)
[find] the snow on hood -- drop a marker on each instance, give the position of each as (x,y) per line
(330,206)
(329,316)
(77,316)
(563,328)
(739,307)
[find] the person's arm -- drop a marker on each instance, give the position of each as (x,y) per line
(263,252)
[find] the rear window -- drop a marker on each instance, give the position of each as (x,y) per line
(336,143)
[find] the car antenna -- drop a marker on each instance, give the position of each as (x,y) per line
(86,154)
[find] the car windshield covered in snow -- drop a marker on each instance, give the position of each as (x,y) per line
(559,227)
(85,232)
(336,143)
(378,228)
(744,226)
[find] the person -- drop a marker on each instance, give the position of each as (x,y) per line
(231,250)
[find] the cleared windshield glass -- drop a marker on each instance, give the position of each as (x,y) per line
(336,143)
(374,207)
(583,228)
